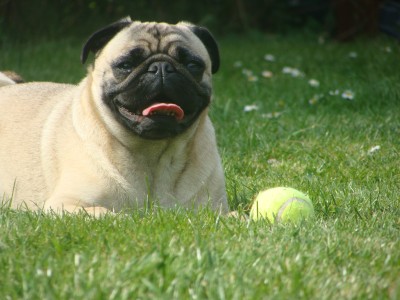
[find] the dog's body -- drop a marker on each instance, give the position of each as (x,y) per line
(111,142)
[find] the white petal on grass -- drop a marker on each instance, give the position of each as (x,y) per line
(348,95)
(237,64)
(247,72)
(313,82)
(292,71)
(287,70)
(353,54)
(251,107)
(47,272)
(269,57)
(252,78)
(272,115)
(388,49)
(267,74)
(334,93)
(374,149)
(297,73)
(315,99)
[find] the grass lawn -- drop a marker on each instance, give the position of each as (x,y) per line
(284,130)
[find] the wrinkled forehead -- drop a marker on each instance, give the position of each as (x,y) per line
(157,38)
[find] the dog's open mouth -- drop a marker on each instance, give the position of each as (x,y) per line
(168,110)
(160,116)
(164,109)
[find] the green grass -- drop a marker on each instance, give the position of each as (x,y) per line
(351,250)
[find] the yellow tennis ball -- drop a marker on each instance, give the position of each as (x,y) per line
(282,204)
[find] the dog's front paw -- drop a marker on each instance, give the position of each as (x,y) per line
(62,206)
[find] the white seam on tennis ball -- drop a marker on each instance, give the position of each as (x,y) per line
(286,204)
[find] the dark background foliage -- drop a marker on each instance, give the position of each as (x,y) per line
(29,19)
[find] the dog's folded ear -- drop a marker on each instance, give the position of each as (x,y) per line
(10,77)
(211,45)
(101,37)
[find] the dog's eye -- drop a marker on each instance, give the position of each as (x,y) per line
(130,60)
(195,66)
(125,66)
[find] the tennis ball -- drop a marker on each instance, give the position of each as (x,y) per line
(282,204)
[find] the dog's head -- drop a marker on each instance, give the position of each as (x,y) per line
(154,77)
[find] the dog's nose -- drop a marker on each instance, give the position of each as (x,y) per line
(161,68)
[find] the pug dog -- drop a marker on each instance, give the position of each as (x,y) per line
(134,131)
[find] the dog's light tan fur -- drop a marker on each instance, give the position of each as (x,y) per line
(63,149)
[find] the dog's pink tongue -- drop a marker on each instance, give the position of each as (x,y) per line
(164,109)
